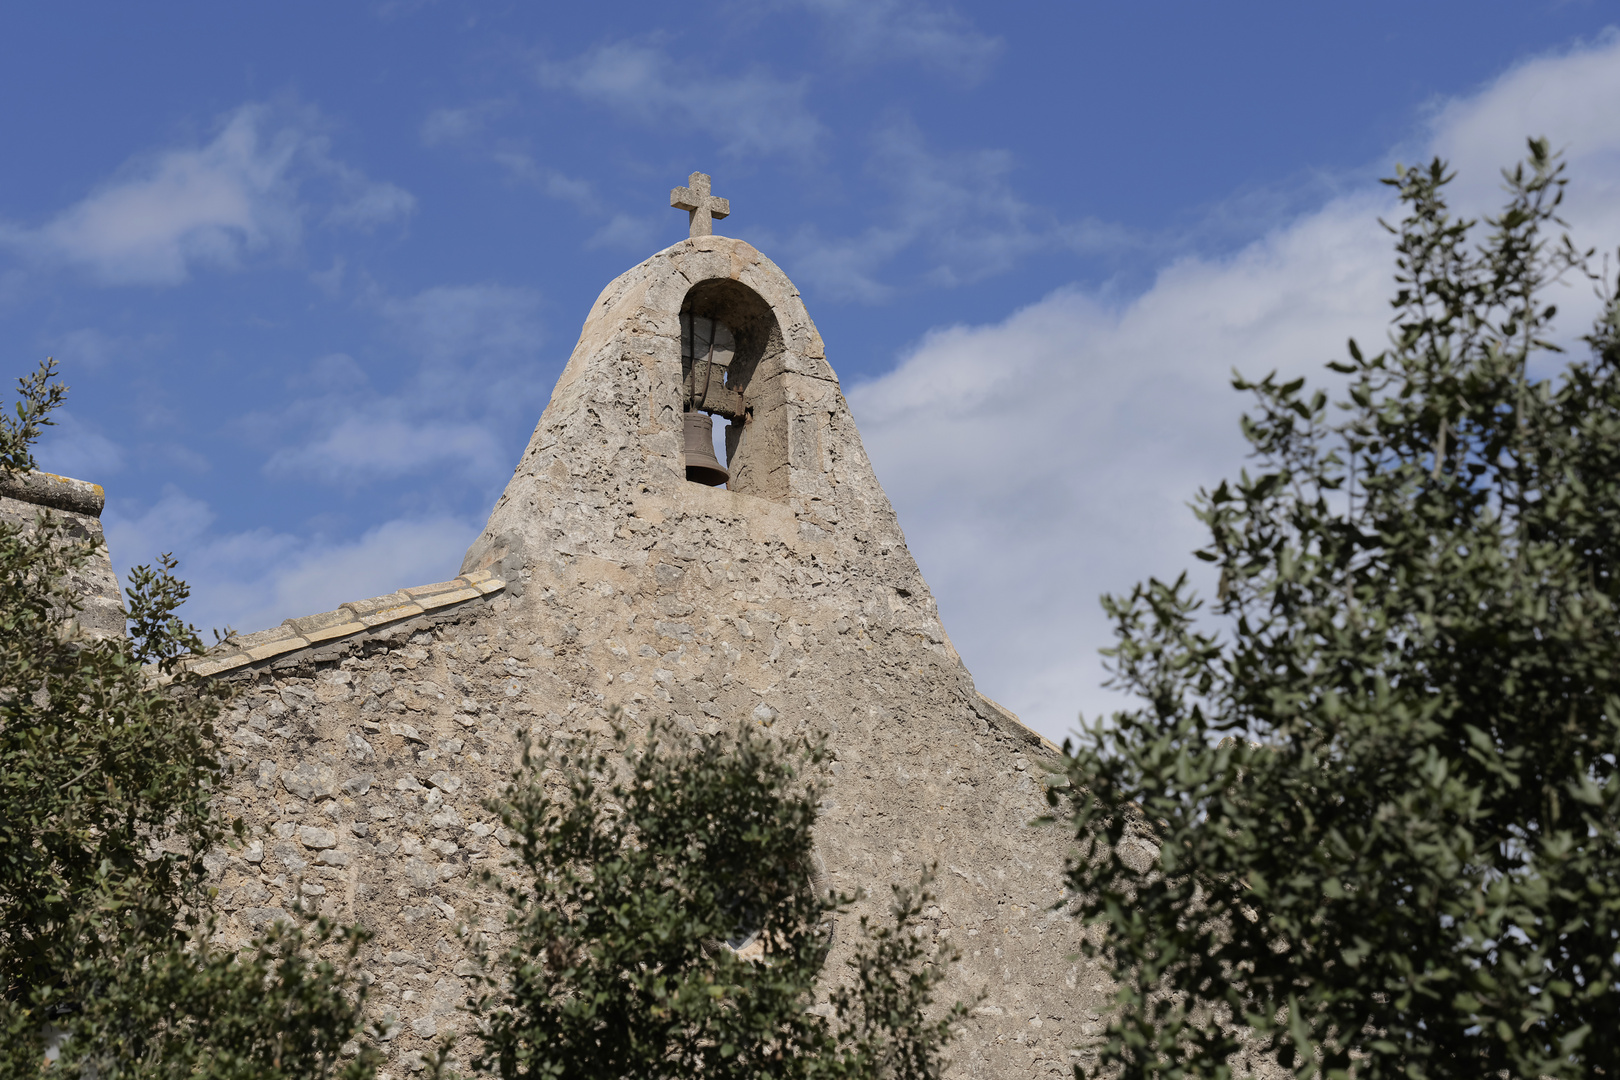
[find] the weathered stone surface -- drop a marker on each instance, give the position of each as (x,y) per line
(260,918)
(313,836)
(283,644)
(312,626)
(445,782)
(702,208)
(309,781)
(76,504)
(604,578)
(56,492)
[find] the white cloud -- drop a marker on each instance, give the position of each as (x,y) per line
(371,205)
(70,447)
(958,213)
(750,112)
(471,353)
(627,232)
(1572,98)
(370,443)
(321,576)
(89,348)
(1046,459)
(485,324)
(476,347)
(466,126)
(330,280)
(554,183)
(253,580)
(881,31)
(389,10)
(441,126)
(168,213)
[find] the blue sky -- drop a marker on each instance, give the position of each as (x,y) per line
(312,269)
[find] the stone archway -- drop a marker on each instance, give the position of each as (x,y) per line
(756,437)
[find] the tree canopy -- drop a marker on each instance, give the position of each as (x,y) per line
(1380,771)
(109,770)
(667,923)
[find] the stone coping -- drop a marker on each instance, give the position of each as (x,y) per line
(1008,721)
(56,492)
(355,617)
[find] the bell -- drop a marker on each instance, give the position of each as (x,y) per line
(701,464)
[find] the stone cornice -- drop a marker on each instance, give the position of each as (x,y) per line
(56,492)
(351,619)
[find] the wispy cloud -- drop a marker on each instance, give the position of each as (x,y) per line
(254,579)
(388,10)
(957,216)
(626,231)
(369,204)
(467,127)
(72,447)
(451,125)
(555,183)
(488,326)
(475,347)
(1044,459)
(882,31)
(243,193)
(748,112)
(89,348)
(383,440)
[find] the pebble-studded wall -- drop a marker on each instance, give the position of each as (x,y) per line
(367,737)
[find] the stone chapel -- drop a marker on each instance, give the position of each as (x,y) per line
(615,571)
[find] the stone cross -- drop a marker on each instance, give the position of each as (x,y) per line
(703,207)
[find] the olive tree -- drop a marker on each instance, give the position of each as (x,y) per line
(666,923)
(1380,770)
(109,768)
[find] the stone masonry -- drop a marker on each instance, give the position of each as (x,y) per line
(367,737)
(77,506)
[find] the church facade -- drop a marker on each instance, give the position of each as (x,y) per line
(366,738)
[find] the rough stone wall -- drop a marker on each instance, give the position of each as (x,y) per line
(78,505)
(608,579)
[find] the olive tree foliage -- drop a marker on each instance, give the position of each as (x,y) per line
(108,770)
(1384,787)
(665,923)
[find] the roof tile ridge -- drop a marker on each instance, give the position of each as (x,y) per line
(347,620)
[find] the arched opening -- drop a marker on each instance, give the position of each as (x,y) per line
(724,320)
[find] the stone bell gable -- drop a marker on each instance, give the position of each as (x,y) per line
(613,426)
(367,737)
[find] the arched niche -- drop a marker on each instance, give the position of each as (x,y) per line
(756,448)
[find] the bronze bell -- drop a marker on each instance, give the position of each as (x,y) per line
(701,464)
